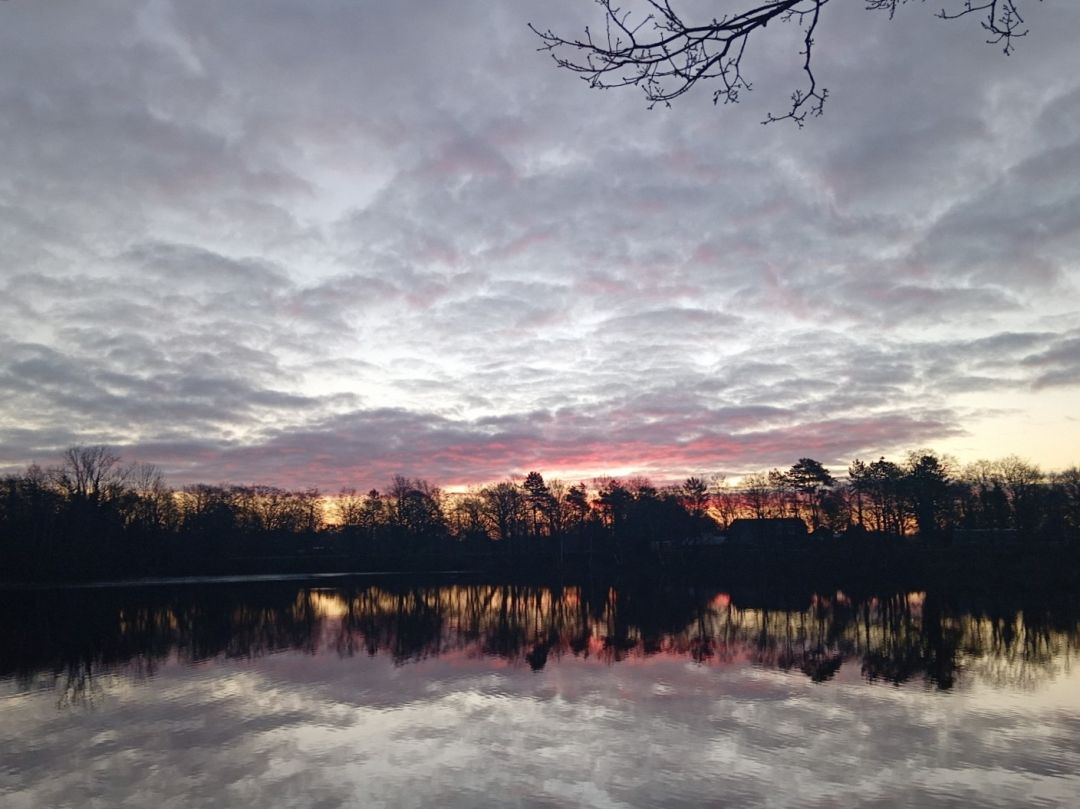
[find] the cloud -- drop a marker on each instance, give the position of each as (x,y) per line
(366,448)
(231,229)
(1058,364)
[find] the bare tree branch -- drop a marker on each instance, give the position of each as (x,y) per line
(666,56)
(1003,20)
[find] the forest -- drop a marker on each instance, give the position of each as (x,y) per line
(92,515)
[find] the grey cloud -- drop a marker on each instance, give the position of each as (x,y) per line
(1005,237)
(230,222)
(183,264)
(1057,122)
(683,324)
(367,448)
(898,304)
(1058,365)
(115,397)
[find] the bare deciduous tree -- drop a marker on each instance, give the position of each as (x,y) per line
(666,55)
(90,473)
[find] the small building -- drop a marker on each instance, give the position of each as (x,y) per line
(769,531)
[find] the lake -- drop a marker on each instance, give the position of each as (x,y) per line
(384,691)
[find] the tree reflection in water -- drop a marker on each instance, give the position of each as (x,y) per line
(68,639)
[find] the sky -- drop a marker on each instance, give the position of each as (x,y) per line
(321,243)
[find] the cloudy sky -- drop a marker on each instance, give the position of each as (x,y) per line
(320,243)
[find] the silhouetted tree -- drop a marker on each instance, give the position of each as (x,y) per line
(414,509)
(886,481)
(540,501)
(559,513)
(373,512)
(1068,482)
(981,499)
(577,503)
(578,512)
(93,515)
(504,507)
(348,508)
(811,480)
(782,494)
(860,485)
(757,491)
(613,501)
(928,485)
(1022,483)
(208,510)
(725,499)
(269,509)
(467,517)
(695,496)
(30,509)
(89,475)
(150,506)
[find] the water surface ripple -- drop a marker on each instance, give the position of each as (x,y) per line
(390,693)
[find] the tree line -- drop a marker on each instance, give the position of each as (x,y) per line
(924,495)
(92,514)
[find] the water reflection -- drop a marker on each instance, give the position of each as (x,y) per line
(68,639)
(400,694)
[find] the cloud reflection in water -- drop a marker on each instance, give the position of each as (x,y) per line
(293,709)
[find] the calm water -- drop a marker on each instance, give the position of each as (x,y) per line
(383,693)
